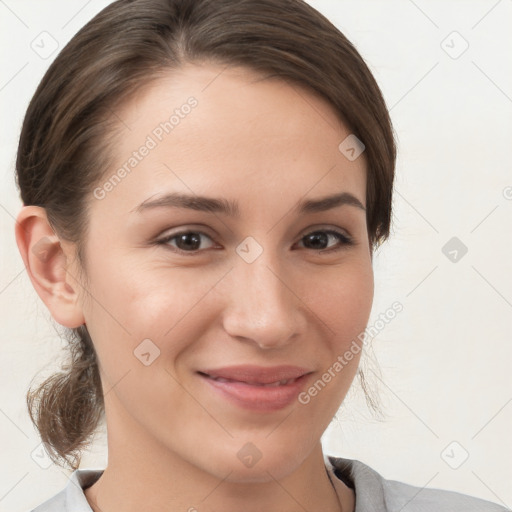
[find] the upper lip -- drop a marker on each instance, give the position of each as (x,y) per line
(257,374)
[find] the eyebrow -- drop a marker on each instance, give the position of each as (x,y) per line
(230,208)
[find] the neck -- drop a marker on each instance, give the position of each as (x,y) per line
(141,474)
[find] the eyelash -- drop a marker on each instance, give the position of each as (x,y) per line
(344,239)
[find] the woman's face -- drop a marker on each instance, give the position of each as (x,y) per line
(210,343)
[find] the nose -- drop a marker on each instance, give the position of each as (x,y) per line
(263,307)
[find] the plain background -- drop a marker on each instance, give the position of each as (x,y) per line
(444,378)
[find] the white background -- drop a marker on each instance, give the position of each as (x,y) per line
(445,359)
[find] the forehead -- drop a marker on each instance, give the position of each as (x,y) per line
(224,128)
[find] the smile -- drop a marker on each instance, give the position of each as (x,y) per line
(269,385)
(261,389)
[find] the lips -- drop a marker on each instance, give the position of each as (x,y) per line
(256,387)
(252,383)
(257,374)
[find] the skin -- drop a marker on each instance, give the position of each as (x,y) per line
(172,441)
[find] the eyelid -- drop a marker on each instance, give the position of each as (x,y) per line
(327,228)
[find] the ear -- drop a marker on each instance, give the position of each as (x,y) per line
(48,263)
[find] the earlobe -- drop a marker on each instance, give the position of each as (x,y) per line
(48,264)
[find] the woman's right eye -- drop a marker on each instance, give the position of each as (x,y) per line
(187,242)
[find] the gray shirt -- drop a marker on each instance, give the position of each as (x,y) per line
(373,493)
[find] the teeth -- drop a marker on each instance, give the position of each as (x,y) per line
(280,383)
(269,385)
(220,379)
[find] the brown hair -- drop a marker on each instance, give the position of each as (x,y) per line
(69,126)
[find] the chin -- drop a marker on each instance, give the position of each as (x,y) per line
(272,470)
(261,462)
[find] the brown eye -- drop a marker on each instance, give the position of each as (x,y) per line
(185,241)
(319,240)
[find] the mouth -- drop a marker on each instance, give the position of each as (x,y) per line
(262,389)
(249,383)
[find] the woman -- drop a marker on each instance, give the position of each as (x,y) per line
(204,184)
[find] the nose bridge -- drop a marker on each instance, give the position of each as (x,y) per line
(262,307)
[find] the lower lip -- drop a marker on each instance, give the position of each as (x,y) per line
(258,398)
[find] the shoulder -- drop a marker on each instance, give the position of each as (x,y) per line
(410,498)
(72,497)
(375,493)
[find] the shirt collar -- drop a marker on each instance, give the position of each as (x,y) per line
(79,480)
(366,483)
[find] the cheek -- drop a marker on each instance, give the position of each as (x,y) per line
(136,311)
(342,300)
(143,298)
(343,305)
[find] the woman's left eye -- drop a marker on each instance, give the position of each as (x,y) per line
(322,236)
(189,242)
